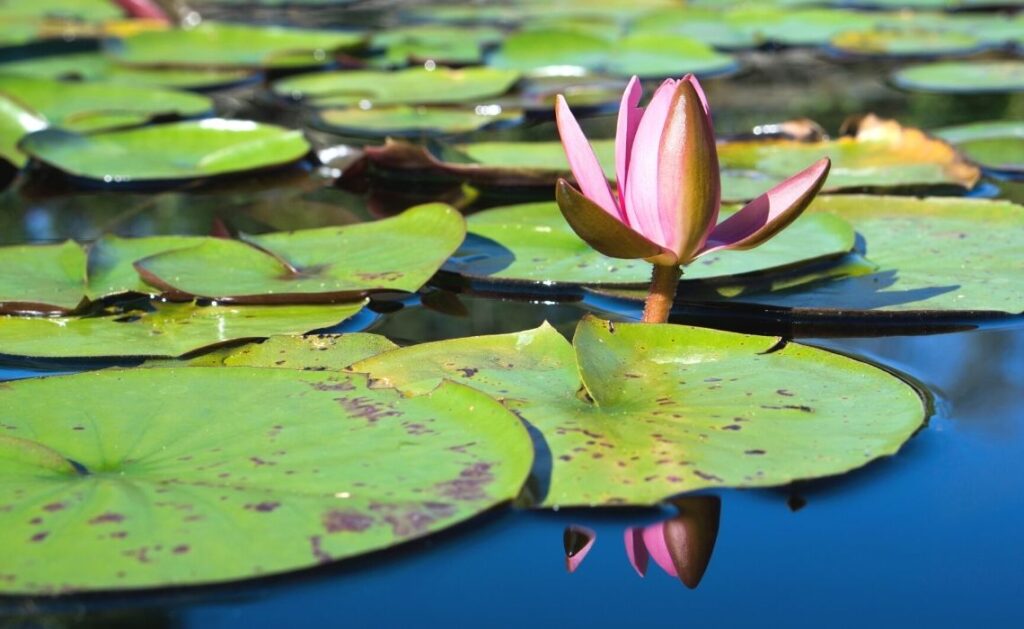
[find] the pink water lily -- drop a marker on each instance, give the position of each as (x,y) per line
(668,190)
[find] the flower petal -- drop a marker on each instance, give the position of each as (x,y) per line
(582,160)
(641,200)
(654,540)
(689,190)
(636,551)
(605,233)
(769,213)
(577,540)
(629,120)
(692,80)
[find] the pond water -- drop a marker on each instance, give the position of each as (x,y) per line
(927,537)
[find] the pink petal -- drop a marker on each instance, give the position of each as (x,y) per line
(654,539)
(700,92)
(636,551)
(629,119)
(577,540)
(641,200)
(582,160)
(769,213)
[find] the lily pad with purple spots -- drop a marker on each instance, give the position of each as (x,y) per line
(308,467)
(636,413)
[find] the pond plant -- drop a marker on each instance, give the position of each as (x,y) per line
(669,193)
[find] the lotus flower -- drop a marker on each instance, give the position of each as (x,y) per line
(666,166)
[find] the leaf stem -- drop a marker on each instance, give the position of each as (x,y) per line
(664,282)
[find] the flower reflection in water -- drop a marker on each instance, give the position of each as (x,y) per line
(681,545)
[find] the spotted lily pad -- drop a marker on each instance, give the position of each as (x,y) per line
(882,155)
(997,145)
(636,413)
(42,278)
(649,54)
(965,259)
(963,77)
(414,86)
(95,105)
(222,45)
(544,249)
(309,467)
(167,152)
(165,330)
(325,264)
(414,121)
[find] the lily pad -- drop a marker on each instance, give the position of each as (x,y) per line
(544,249)
(703,24)
(309,467)
(42,278)
(438,43)
(318,265)
(963,77)
(636,413)
(222,45)
(571,52)
(965,259)
(882,155)
(412,86)
(168,152)
(111,259)
(16,121)
(997,145)
(94,105)
(414,121)
(98,67)
(90,10)
(906,43)
(167,330)
(311,352)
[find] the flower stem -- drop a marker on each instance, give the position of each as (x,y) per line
(664,282)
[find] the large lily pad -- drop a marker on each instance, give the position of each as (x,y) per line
(42,278)
(963,77)
(964,259)
(906,43)
(222,45)
(95,105)
(636,413)
(415,121)
(799,27)
(881,155)
(16,121)
(111,260)
(703,24)
(997,145)
(433,42)
(308,467)
(413,86)
(326,264)
(647,54)
(168,152)
(544,249)
(167,330)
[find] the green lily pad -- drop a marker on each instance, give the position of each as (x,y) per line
(563,51)
(180,150)
(42,278)
(168,330)
(703,24)
(224,45)
(412,86)
(90,10)
(415,121)
(963,77)
(111,259)
(16,121)
(326,264)
(636,413)
(998,145)
(883,155)
(546,250)
(796,27)
(906,43)
(309,467)
(964,258)
(312,352)
(438,43)
(92,106)
(98,67)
